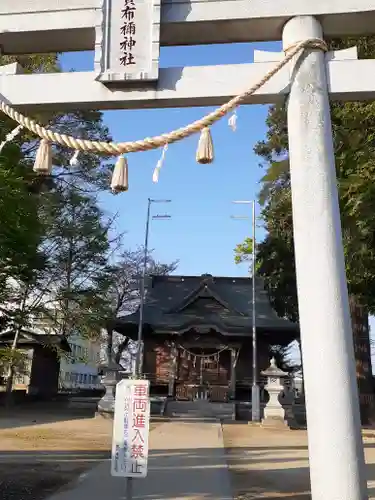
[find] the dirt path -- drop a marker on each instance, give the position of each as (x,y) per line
(270,464)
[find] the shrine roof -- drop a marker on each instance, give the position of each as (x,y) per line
(29,338)
(176,304)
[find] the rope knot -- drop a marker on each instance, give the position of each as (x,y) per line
(310,43)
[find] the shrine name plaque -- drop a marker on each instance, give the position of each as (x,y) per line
(128,41)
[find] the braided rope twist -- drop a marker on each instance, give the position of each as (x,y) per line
(113,148)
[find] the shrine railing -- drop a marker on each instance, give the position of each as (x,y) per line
(211,382)
(191,392)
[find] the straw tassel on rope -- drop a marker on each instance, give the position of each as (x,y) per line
(120,182)
(43,158)
(205,151)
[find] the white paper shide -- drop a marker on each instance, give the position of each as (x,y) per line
(131,429)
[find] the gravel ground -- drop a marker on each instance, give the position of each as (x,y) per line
(269,464)
(37,460)
(38,480)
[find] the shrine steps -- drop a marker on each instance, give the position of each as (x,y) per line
(200,410)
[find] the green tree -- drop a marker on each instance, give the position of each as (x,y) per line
(62,297)
(92,171)
(24,270)
(353,130)
(243,251)
(19,359)
(20,230)
(20,224)
(78,245)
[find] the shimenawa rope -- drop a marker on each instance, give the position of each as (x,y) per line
(112,148)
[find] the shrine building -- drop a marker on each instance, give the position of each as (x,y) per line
(197,333)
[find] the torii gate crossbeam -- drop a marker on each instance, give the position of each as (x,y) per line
(52,25)
(337,468)
(348,80)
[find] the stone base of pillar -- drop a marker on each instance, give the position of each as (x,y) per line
(100,414)
(275,423)
(255,404)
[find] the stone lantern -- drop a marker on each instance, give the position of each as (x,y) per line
(274,414)
(106,406)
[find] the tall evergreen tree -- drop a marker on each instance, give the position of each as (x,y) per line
(77,247)
(353,131)
(27,203)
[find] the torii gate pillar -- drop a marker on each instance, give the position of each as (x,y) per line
(337,467)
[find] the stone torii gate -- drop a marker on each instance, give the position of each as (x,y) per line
(335,447)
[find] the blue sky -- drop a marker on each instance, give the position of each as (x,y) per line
(200,233)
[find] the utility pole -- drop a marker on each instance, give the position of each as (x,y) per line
(255,391)
(150,201)
(139,359)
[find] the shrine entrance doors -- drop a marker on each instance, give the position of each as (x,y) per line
(203,374)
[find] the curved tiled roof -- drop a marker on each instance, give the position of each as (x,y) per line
(177,303)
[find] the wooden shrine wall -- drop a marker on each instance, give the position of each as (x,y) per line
(157,364)
(157,361)
(245,361)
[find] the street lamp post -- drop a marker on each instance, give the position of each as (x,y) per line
(255,391)
(138,362)
(107,403)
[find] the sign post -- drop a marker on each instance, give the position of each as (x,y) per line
(131,428)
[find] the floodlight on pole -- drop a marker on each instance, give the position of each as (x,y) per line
(138,363)
(255,391)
